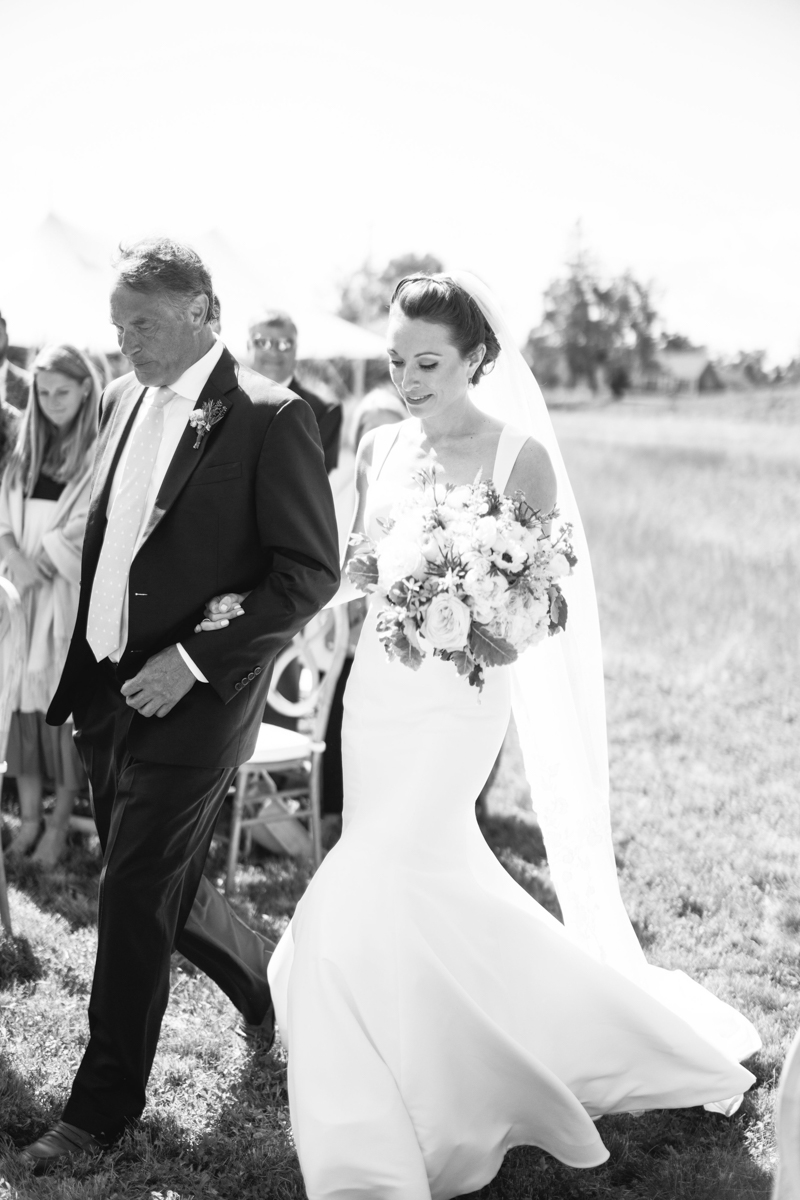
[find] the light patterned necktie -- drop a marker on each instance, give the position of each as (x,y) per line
(104,625)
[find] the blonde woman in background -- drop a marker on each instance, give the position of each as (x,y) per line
(44,501)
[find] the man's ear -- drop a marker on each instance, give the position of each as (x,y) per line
(198,309)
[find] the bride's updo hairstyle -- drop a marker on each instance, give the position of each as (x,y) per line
(439,300)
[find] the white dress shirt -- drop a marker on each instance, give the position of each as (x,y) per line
(187,391)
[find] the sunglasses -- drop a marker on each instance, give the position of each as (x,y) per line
(279,344)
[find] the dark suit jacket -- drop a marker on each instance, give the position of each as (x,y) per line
(250,509)
(18,384)
(329,420)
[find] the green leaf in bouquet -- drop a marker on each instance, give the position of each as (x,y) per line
(396,642)
(465,665)
(402,592)
(362,571)
(488,648)
(558,610)
(461,659)
(476,678)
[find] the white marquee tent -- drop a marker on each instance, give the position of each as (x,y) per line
(54,286)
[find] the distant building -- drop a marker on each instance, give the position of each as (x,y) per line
(689,370)
(744,374)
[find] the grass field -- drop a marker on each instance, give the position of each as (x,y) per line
(696,550)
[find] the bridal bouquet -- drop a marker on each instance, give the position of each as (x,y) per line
(466,573)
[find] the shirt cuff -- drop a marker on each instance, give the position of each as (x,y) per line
(198,674)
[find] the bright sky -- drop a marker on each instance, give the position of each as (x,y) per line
(314,133)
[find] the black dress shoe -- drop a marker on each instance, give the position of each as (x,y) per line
(261,1035)
(59,1145)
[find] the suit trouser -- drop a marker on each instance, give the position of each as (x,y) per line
(155,824)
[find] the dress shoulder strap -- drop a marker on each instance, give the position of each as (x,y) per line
(511,442)
(384,440)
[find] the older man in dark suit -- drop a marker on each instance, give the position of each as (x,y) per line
(272,342)
(209,478)
(14,382)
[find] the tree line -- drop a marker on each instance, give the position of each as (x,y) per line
(599,331)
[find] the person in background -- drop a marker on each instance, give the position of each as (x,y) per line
(9,428)
(44,502)
(378,407)
(272,343)
(14,382)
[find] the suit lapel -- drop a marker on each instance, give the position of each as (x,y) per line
(222,385)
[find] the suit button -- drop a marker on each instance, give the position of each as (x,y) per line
(238,687)
(258,670)
(252,675)
(245,681)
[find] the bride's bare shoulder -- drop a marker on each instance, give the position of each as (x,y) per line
(533,475)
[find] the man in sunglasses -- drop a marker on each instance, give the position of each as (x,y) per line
(272,342)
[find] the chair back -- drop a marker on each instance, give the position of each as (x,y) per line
(13,646)
(320,650)
(787,1126)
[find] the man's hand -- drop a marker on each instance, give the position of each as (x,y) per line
(221,610)
(160,684)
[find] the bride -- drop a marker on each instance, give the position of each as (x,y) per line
(433,1013)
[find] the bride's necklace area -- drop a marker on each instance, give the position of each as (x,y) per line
(449,455)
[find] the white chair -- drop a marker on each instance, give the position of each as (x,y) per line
(260,806)
(13,639)
(787,1126)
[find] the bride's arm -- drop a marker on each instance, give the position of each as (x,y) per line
(533,475)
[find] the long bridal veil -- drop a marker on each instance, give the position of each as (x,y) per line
(558,697)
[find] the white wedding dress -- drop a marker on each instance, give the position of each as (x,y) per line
(434,1014)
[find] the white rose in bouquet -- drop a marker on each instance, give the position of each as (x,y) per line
(462,545)
(524,620)
(559,565)
(499,587)
(476,581)
(447,623)
(483,610)
(397,559)
(486,532)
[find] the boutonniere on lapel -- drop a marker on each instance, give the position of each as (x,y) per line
(203,419)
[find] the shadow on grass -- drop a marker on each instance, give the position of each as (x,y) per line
(245,1155)
(69,890)
(517,843)
(681,1154)
(18,963)
(22,1116)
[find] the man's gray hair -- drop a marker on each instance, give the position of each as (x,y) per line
(164,265)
